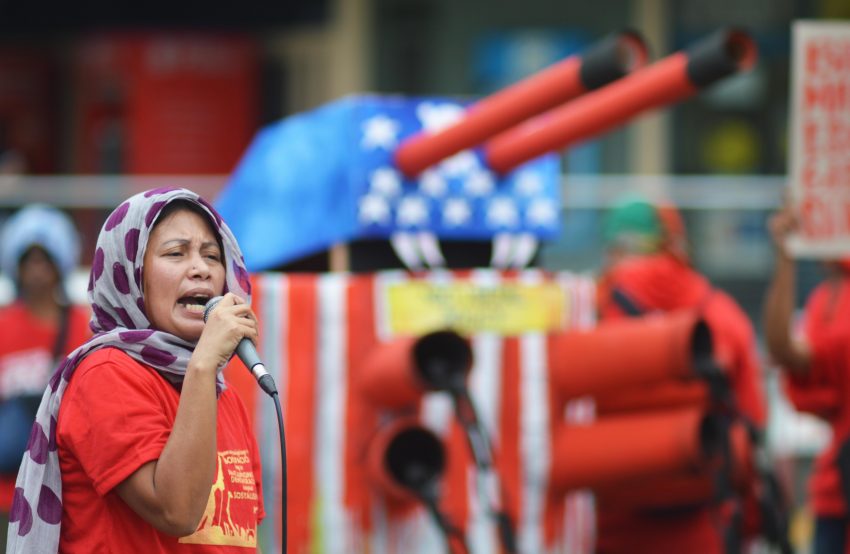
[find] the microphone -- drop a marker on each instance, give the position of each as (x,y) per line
(248,354)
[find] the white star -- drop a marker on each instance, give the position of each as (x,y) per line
(502,212)
(386,182)
(435,117)
(412,212)
(456,212)
(479,183)
(528,183)
(542,213)
(374,209)
(432,184)
(380,132)
(462,163)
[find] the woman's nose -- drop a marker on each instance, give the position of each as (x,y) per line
(200,267)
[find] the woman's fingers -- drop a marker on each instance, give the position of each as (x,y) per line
(230,322)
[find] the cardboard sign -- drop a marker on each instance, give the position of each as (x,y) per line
(506,309)
(819,169)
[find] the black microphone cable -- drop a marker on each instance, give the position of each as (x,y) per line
(283,531)
(248,354)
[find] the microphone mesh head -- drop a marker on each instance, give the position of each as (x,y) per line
(211,304)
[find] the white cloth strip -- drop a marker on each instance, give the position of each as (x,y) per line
(406,247)
(534,438)
(485,388)
(430,249)
(275,318)
(503,245)
(330,412)
(525,247)
(383,281)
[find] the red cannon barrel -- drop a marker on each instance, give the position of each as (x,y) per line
(395,374)
(683,488)
(620,449)
(684,393)
(669,80)
(603,62)
(405,460)
(629,352)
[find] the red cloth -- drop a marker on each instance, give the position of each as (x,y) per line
(827,329)
(26,349)
(663,282)
(116,415)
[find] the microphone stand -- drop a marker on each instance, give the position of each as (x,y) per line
(455,541)
(482,454)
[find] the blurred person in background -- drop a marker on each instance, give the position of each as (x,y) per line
(648,270)
(814,354)
(39,248)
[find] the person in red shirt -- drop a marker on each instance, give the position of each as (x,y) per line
(649,271)
(39,247)
(139,444)
(816,363)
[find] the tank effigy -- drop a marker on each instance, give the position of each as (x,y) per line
(440,408)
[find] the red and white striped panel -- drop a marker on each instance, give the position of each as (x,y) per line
(314,331)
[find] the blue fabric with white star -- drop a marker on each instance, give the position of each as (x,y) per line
(327,176)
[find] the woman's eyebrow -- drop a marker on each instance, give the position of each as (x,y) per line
(176,242)
(182,242)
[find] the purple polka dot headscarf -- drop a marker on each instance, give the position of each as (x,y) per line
(118,320)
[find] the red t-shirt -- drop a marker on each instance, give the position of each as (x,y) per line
(116,415)
(827,329)
(26,360)
(664,283)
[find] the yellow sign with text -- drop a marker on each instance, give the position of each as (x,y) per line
(507,308)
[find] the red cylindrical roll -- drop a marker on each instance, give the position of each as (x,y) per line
(606,61)
(387,377)
(628,352)
(618,449)
(395,374)
(404,459)
(684,488)
(683,393)
(669,80)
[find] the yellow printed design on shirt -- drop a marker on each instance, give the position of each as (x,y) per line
(230,517)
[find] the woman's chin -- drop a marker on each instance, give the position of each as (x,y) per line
(190,330)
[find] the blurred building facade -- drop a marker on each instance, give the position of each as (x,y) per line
(160,89)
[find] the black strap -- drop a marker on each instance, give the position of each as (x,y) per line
(61,334)
(842,460)
(626,303)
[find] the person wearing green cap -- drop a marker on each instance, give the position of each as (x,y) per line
(632,226)
(648,270)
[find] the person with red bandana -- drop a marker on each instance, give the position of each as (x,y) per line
(648,271)
(815,358)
